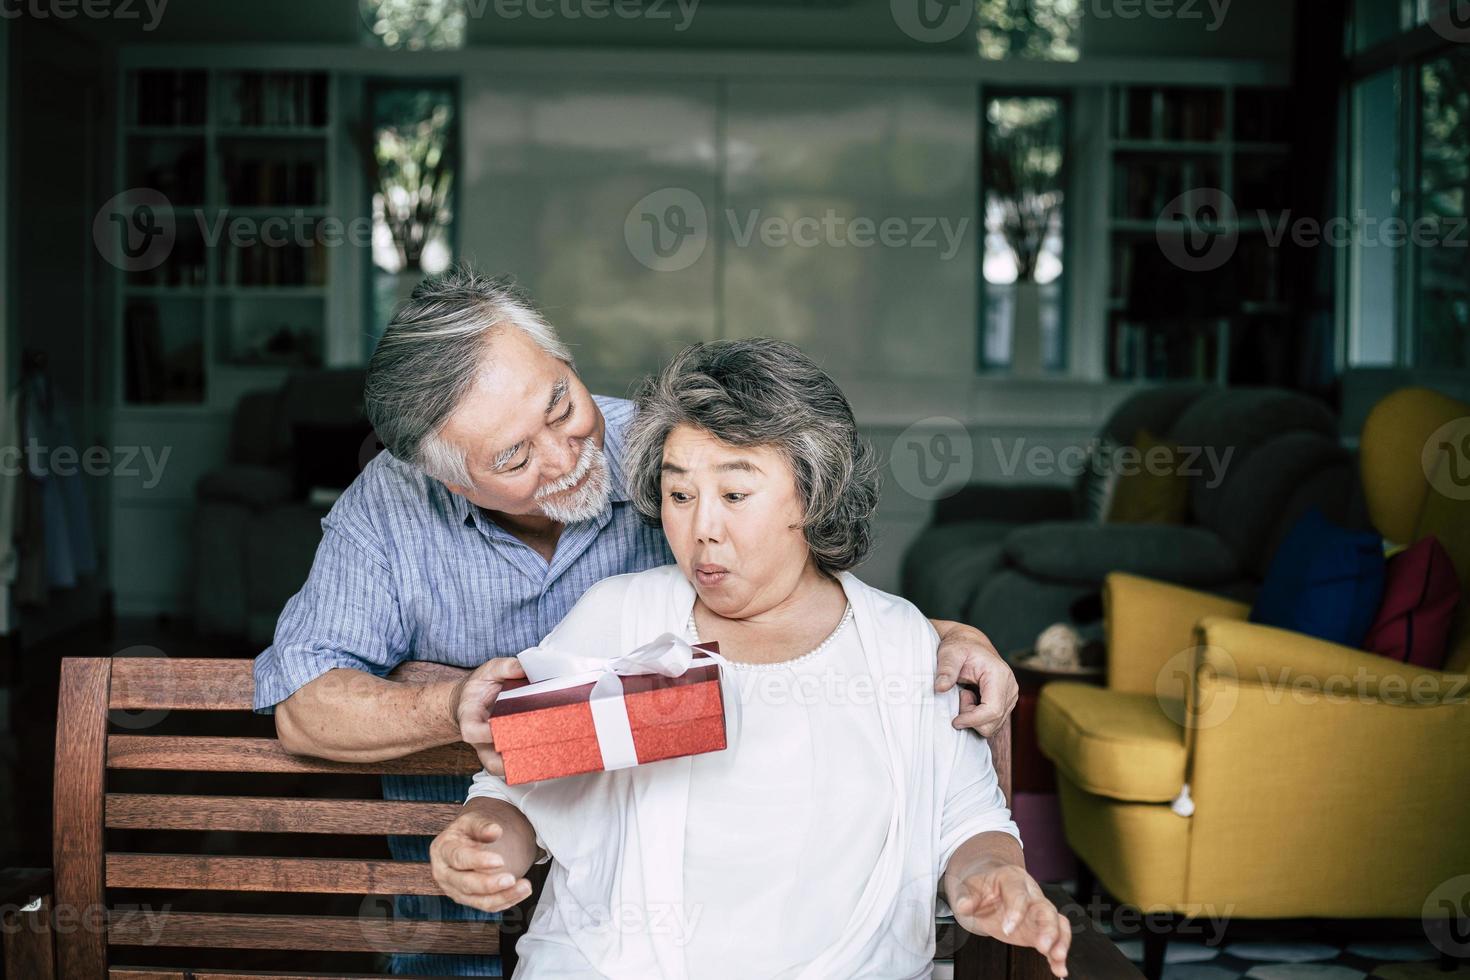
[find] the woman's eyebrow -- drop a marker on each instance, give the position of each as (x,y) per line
(744,465)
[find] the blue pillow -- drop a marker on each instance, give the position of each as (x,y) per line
(1325,581)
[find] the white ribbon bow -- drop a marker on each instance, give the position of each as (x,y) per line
(669,656)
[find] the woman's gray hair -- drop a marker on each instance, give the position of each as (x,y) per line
(430,356)
(763,392)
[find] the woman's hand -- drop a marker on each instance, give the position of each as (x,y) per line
(475,862)
(966,656)
(1004,902)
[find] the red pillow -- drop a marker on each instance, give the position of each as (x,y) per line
(1420,590)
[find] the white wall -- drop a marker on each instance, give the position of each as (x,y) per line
(558,175)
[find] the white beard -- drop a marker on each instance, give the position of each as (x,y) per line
(587,501)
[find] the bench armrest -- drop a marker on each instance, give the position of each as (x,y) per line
(1093,956)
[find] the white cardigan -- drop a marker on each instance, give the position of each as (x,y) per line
(616,838)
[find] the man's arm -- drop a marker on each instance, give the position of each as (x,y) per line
(336,639)
(352,716)
(966,656)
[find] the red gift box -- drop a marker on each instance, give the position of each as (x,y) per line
(545,730)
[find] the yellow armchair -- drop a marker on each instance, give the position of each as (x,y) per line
(1316,773)
(1233,769)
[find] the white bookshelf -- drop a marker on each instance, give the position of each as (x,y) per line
(212,309)
(216,303)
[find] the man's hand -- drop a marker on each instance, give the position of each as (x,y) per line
(1004,902)
(467,864)
(473,696)
(966,656)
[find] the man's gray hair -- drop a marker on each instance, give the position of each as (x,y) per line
(763,392)
(431,356)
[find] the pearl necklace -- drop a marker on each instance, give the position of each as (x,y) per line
(846,618)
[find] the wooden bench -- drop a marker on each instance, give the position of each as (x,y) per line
(65,922)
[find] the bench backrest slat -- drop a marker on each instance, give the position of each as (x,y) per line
(200,753)
(327,876)
(314,933)
(257,814)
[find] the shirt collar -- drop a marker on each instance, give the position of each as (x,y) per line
(613,443)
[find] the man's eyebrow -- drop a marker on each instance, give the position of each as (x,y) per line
(558,392)
(506,455)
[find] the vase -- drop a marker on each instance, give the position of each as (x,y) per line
(1026,355)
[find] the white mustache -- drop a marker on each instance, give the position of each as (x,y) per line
(585,459)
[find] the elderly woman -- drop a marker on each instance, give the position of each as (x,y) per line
(813,846)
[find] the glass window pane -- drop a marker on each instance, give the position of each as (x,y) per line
(412,187)
(1022,260)
(1375,21)
(1373,269)
(1442,252)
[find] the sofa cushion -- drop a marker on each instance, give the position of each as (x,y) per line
(947,563)
(1325,581)
(1111,743)
(1076,551)
(1419,596)
(1152,487)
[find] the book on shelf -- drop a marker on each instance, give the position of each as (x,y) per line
(274,99)
(169,98)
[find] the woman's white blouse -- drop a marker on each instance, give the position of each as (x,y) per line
(783,845)
(786,825)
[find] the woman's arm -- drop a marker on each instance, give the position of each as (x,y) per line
(991,894)
(481,859)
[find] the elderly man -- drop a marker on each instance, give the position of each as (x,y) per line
(501,500)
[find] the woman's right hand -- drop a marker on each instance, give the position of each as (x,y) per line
(468,861)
